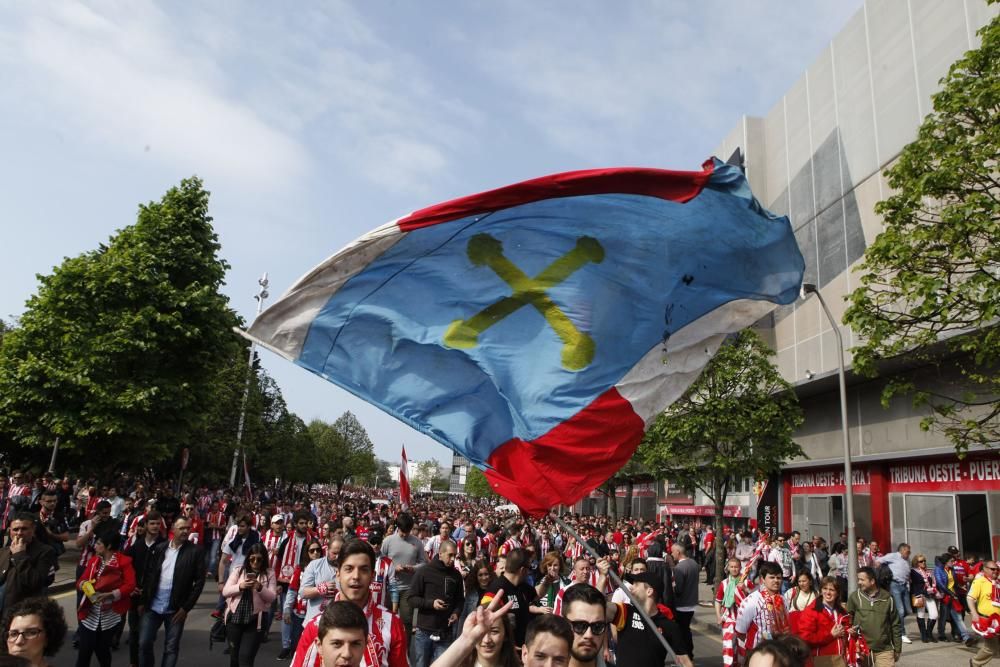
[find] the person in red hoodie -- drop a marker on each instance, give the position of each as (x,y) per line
(107,582)
(824,626)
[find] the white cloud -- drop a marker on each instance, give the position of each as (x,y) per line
(120,81)
(600,80)
(239,94)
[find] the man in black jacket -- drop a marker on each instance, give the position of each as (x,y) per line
(148,536)
(436,594)
(173,580)
(25,565)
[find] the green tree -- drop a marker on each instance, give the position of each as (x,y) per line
(117,352)
(933,274)
(5,328)
(360,457)
(735,421)
(383,475)
(423,478)
(476,484)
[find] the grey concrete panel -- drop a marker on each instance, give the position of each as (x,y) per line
(801,197)
(854,101)
(777,165)
(826,170)
(893,75)
(756,158)
(979,14)
(853,228)
(806,237)
(939,37)
(830,239)
(797,129)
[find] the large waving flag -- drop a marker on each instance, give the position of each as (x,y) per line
(536,329)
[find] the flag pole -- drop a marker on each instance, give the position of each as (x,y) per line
(618,584)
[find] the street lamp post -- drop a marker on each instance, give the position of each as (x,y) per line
(259,296)
(852,545)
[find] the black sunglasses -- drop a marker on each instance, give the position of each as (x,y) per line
(580,627)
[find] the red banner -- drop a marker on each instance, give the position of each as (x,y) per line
(731,511)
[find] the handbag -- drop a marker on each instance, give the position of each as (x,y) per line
(917,601)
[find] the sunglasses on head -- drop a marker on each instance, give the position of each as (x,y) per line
(580,627)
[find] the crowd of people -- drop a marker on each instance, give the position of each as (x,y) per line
(351,577)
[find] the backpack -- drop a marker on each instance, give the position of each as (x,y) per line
(883,576)
(217,633)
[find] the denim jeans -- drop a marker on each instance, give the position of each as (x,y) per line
(426,651)
(151,622)
(947,611)
(213,556)
(296,632)
(901,597)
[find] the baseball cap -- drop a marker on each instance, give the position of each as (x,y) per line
(278,517)
(952,550)
(650,579)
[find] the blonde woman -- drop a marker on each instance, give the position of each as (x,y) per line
(923,587)
(631,553)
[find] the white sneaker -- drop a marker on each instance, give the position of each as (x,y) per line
(906,640)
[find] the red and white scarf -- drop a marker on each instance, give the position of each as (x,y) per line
(379,585)
(271,540)
(290,558)
(379,637)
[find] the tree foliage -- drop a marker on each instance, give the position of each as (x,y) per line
(426,473)
(934,272)
(117,351)
(343,451)
(476,484)
(735,421)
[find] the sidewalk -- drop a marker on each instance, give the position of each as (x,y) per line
(917,654)
(66,574)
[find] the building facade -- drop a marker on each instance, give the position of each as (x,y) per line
(459,470)
(818,157)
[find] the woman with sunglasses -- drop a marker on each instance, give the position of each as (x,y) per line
(249,592)
(467,554)
(34,629)
(923,587)
(294,606)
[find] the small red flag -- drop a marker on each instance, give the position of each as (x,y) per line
(404,484)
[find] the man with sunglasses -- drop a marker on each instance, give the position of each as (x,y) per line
(984,603)
(319,578)
(589,615)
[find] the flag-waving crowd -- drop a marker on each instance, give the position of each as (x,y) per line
(357,579)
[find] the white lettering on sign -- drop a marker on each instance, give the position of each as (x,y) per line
(938,473)
(984,471)
(830,478)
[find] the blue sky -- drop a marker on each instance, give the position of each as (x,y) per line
(312,123)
